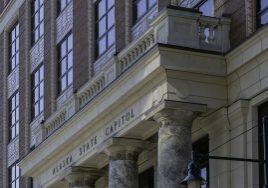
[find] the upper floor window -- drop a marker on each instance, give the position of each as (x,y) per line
(14,176)
(14,47)
(65,55)
(141,7)
(37,20)
(62,4)
(262,12)
(105,20)
(14,116)
(38,91)
(206,7)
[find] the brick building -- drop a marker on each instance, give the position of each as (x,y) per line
(118,93)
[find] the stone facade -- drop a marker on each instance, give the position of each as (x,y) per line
(173,77)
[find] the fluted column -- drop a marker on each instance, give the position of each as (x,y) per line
(174,146)
(123,168)
(82,177)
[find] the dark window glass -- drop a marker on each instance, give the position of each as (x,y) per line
(262,133)
(38,91)
(201,147)
(37,20)
(65,66)
(105,20)
(14,47)
(14,116)
(14,176)
(141,7)
(62,4)
(206,7)
(146,179)
(262,12)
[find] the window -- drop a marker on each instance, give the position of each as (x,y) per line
(38,91)
(105,20)
(201,147)
(65,55)
(37,20)
(141,7)
(14,176)
(62,4)
(146,179)
(14,47)
(263,142)
(262,12)
(206,7)
(14,116)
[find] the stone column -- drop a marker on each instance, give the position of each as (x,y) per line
(174,146)
(82,177)
(123,168)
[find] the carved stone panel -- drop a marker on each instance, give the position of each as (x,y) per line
(13,151)
(37,54)
(36,123)
(13,81)
(64,23)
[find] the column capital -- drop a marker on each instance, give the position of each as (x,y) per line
(78,176)
(175,117)
(125,148)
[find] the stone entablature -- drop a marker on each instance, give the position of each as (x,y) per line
(13,81)
(64,22)
(37,54)
(13,151)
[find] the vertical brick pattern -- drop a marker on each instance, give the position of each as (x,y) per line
(120,22)
(81,43)
(236,9)
(50,58)
(24,84)
(129,20)
(1,108)
(91,36)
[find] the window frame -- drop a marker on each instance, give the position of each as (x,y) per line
(135,10)
(35,86)
(15,28)
(60,60)
(107,28)
(260,12)
(16,175)
(16,111)
(40,24)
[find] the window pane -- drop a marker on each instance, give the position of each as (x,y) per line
(62,4)
(264,4)
(41,89)
(264,18)
(70,77)
(41,14)
(42,105)
(111,37)
(101,8)
(110,3)
(151,3)
(63,66)
(70,42)
(102,26)
(206,8)
(36,94)
(36,109)
(63,83)
(111,18)
(41,72)
(70,60)
(102,45)
(141,8)
(63,50)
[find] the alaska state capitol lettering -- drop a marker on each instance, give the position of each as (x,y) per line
(109,131)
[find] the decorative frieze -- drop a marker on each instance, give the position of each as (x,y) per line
(64,22)
(13,82)
(13,151)
(37,54)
